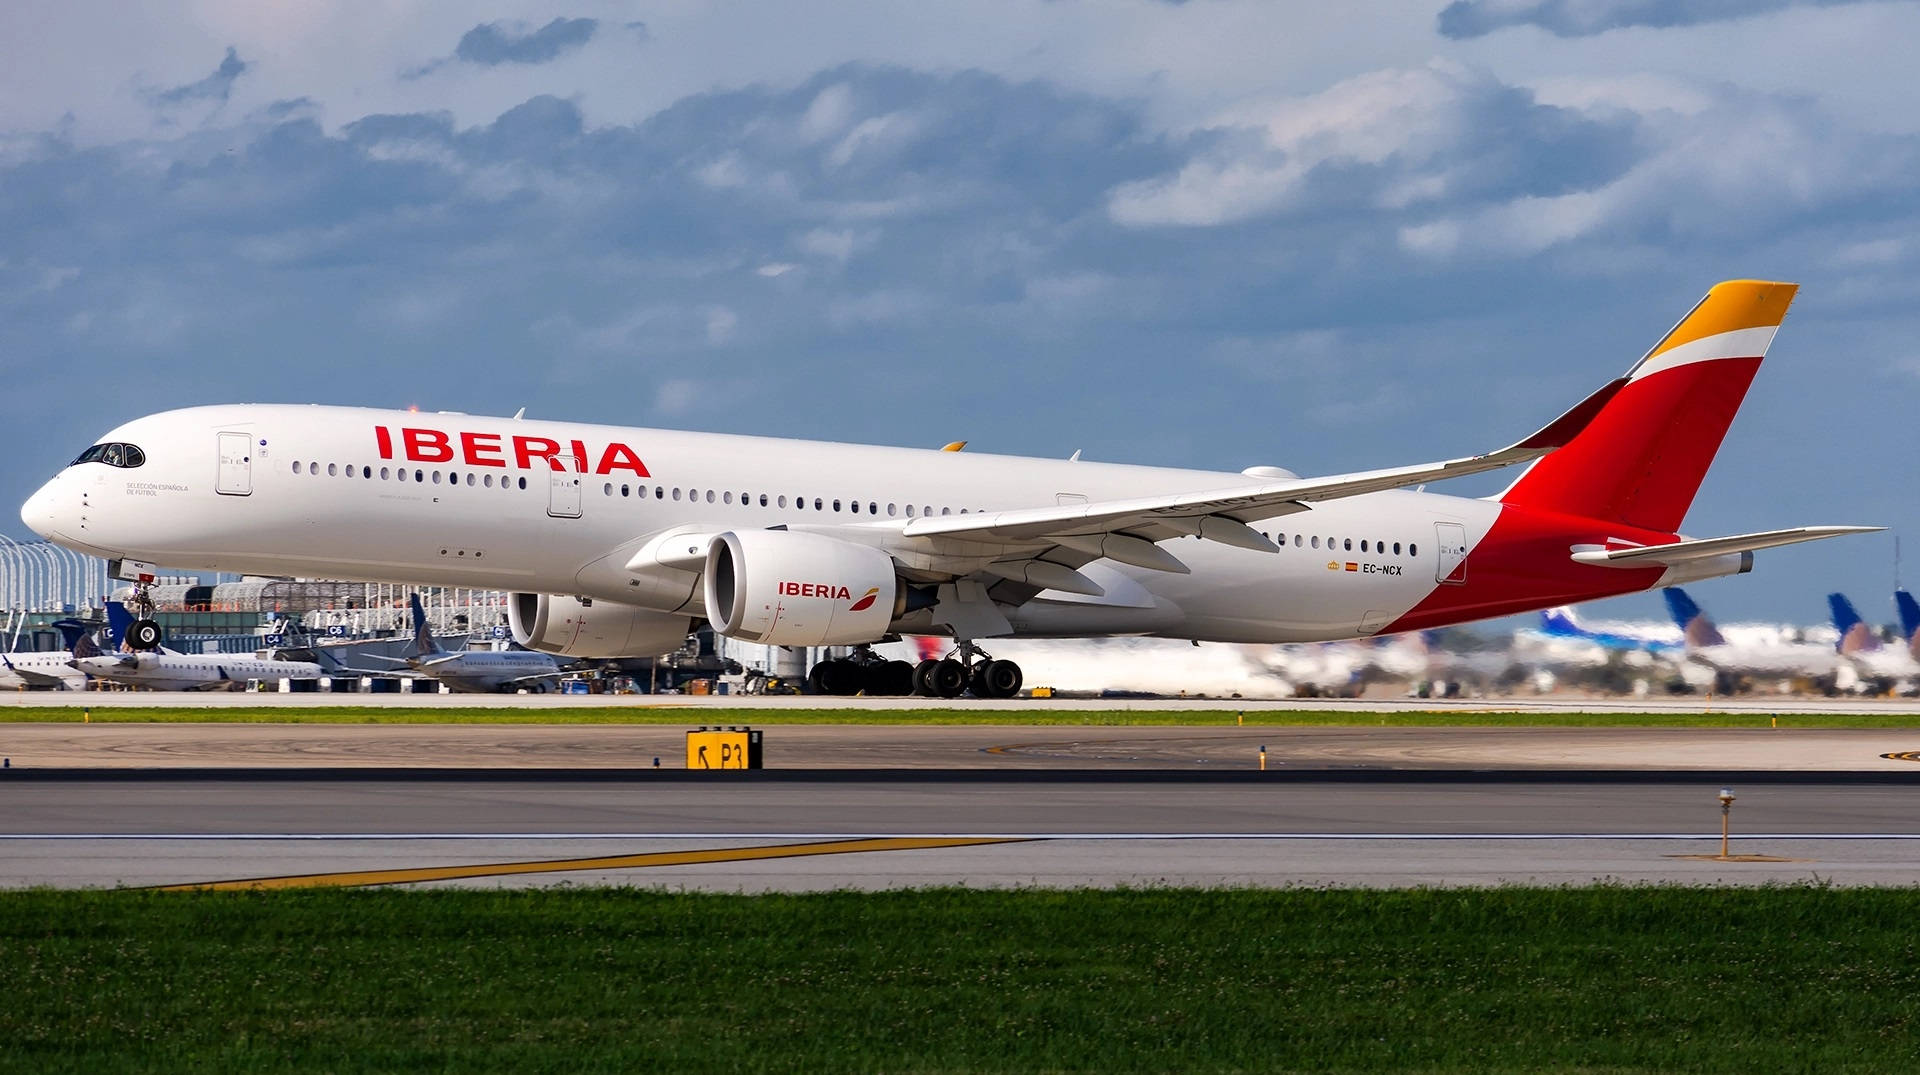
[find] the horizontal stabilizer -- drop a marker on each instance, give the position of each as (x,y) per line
(1689,550)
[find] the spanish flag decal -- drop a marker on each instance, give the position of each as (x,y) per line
(1351,566)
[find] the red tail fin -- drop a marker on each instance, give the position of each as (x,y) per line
(1641,459)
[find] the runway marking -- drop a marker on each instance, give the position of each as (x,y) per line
(957,838)
(1739,858)
(358,878)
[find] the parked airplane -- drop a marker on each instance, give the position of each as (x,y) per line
(163,669)
(616,540)
(1734,660)
(1885,667)
(48,669)
(1563,624)
(472,671)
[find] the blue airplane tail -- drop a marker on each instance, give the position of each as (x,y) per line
(1560,623)
(423,644)
(71,632)
(118,620)
(1856,636)
(1693,623)
(1909,620)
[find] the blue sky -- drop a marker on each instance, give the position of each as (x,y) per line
(1211,234)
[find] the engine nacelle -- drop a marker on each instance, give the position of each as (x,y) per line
(789,588)
(563,625)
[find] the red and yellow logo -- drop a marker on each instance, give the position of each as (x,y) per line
(866,600)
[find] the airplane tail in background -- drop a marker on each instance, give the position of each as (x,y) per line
(1561,622)
(1856,635)
(71,632)
(1642,457)
(423,643)
(1909,620)
(1693,623)
(118,620)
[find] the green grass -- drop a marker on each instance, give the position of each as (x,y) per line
(1595,979)
(1039,713)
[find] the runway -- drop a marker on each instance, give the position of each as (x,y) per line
(1001,747)
(1558,703)
(822,830)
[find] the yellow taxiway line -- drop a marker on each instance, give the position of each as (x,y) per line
(355,878)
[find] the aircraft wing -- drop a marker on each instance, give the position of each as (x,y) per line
(37,679)
(1126,528)
(1690,549)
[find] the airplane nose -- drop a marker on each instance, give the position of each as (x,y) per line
(40,512)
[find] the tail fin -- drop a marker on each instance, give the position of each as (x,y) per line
(83,645)
(1641,459)
(71,632)
(1856,636)
(1561,622)
(423,643)
(118,620)
(1909,620)
(1694,624)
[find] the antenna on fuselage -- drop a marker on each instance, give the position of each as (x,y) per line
(519,414)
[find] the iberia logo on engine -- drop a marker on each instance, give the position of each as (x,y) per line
(830,592)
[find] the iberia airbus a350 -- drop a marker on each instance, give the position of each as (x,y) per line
(615,541)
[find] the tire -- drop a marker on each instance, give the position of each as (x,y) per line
(948,678)
(898,678)
(998,679)
(816,679)
(921,685)
(144,635)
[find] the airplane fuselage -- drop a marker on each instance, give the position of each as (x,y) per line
(559,508)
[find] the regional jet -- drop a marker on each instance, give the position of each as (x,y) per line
(472,671)
(615,541)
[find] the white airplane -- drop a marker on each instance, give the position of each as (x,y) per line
(163,669)
(615,540)
(1895,667)
(46,669)
(472,671)
(1706,647)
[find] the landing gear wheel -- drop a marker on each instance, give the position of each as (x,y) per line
(896,678)
(818,678)
(947,678)
(922,684)
(143,635)
(997,679)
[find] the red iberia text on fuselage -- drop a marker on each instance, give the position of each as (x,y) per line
(417,445)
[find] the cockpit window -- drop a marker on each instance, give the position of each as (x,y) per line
(116,454)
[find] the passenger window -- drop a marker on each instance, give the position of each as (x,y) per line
(728,498)
(1413,550)
(1363,544)
(487,481)
(909,511)
(709,496)
(817,502)
(763,500)
(836,505)
(607,489)
(523,483)
(1349,545)
(676,492)
(890,511)
(1296,541)
(1396,548)
(783,500)
(1316,542)
(296,466)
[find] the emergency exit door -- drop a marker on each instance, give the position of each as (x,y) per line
(563,489)
(1451,541)
(236,465)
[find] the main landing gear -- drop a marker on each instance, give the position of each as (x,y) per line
(969,669)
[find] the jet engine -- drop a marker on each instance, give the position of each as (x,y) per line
(572,628)
(788,588)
